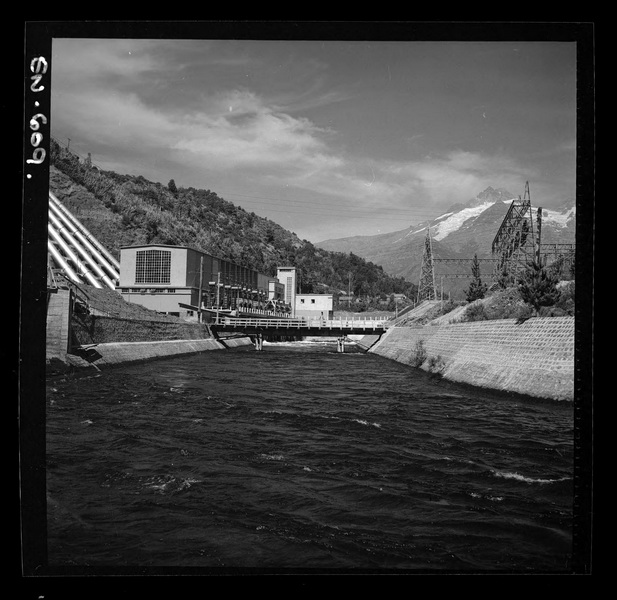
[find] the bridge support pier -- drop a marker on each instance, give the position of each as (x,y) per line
(259,342)
(341,344)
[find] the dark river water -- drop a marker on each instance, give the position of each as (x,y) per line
(299,457)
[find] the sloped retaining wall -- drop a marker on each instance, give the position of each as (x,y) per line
(534,358)
(89,329)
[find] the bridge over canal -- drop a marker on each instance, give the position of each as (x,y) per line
(260,328)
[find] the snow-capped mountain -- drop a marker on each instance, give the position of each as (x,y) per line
(464,230)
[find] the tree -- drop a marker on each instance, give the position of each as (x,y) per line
(171,186)
(538,286)
(504,279)
(477,289)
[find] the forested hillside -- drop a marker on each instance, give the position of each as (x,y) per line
(123,209)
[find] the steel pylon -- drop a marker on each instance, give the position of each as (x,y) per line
(515,245)
(426,287)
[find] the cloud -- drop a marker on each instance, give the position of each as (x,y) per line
(238,130)
(79,63)
(107,93)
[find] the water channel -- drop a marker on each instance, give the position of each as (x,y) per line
(300,457)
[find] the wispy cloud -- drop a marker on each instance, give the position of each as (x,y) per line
(237,129)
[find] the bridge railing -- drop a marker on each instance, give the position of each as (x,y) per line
(303,323)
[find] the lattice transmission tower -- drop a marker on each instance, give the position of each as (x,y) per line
(426,287)
(515,244)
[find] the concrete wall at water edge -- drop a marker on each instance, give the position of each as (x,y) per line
(534,358)
(80,339)
(127,352)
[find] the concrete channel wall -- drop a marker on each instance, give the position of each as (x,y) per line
(534,358)
(113,353)
(74,340)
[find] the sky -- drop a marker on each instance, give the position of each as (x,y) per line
(329,139)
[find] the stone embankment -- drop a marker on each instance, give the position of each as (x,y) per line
(534,357)
(113,353)
(78,338)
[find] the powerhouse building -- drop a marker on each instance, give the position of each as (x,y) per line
(168,279)
(163,278)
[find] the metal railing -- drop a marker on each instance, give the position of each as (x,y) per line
(342,323)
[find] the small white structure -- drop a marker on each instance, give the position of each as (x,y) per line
(314,305)
(287,276)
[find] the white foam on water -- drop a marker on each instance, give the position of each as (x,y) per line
(519,477)
(363,422)
(272,456)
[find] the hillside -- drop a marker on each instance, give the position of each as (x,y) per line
(123,209)
(464,230)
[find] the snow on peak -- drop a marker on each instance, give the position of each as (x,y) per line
(455,220)
(558,218)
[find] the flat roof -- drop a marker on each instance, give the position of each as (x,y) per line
(307,295)
(128,246)
(164,246)
(178,248)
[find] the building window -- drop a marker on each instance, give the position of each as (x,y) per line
(171,290)
(153,266)
(301,300)
(312,300)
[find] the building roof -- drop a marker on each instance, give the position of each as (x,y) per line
(313,295)
(177,247)
(163,246)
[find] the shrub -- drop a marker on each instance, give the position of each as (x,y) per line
(477,289)
(523,311)
(566,300)
(436,364)
(475,312)
(552,311)
(449,306)
(538,286)
(420,354)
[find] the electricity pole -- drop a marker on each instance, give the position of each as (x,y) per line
(201,283)
(218,294)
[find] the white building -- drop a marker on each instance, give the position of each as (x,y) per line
(287,276)
(314,305)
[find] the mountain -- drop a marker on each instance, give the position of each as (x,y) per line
(123,210)
(464,230)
